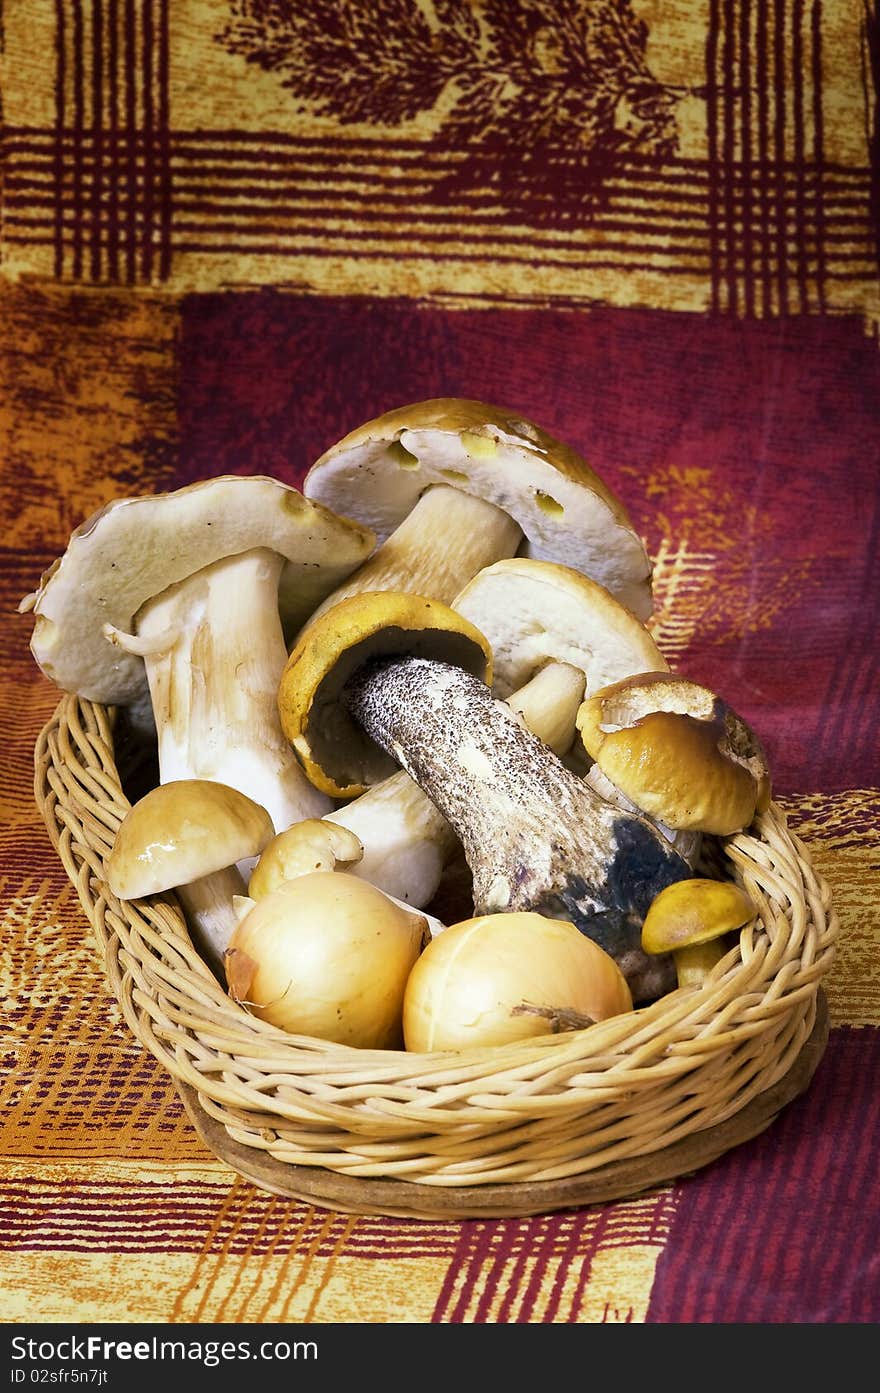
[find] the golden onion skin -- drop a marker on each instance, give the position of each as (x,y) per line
(498,978)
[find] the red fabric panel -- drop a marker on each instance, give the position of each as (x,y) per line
(730,1260)
(747,440)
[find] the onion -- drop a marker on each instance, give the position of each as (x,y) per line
(504,977)
(327,955)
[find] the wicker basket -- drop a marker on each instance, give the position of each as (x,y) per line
(559,1121)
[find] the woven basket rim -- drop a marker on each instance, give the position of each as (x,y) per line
(551,1106)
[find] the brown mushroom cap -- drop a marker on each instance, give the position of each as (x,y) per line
(182,831)
(135,548)
(309,845)
(694,912)
(678,752)
(567,513)
(336,753)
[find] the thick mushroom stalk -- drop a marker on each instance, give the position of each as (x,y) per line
(535,836)
(446,539)
(214,651)
(406,840)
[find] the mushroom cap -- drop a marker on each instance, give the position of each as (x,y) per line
(309,845)
(693,912)
(134,548)
(181,831)
(677,751)
(534,612)
(336,754)
(567,513)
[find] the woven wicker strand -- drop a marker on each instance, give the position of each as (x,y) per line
(542,1112)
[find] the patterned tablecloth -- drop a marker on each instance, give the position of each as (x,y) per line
(235,229)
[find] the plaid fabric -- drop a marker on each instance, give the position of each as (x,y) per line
(233,231)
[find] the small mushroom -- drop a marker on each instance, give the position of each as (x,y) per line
(554,634)
(675,751)
(189,836)
(386,676)
(450,485)
(691,920)
(315,844)
(186,597)
(310,845)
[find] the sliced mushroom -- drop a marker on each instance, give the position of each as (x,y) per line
(678,753)
(188,595)
(408,679)
(190,836)
(450,485)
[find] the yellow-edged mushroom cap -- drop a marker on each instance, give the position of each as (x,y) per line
(336,754)
(181,831)
(693,912)
(677,751)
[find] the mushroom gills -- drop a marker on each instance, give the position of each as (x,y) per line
(535,836)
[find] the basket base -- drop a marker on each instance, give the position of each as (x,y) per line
(615,1181)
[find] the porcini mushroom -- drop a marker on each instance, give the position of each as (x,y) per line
(306,846)
(406,840)
(314,844)
(189,594)
(677,752)
(555,634)
(692,920)
(537,612)
(370,680)
(450,485)
(189,836)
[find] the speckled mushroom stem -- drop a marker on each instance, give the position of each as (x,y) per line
(534,835)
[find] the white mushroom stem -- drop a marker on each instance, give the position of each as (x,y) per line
(208,905)
(535,836)
(441,544)
(548,704)
(406,839)
(214,652)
